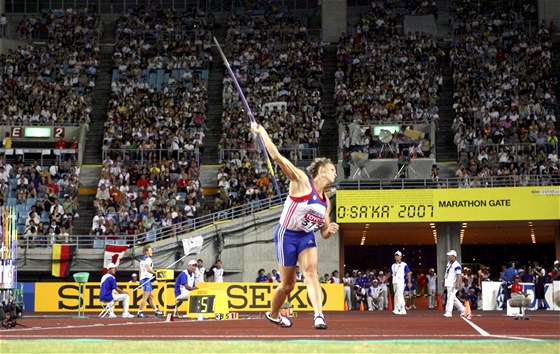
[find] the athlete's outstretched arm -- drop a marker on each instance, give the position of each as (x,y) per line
(291,171)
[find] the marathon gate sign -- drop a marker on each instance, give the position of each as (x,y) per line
(241,297)
(447,205)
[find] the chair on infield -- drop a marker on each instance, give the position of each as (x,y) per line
(517,306)
(108,309)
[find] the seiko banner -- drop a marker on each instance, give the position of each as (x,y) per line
(239,297)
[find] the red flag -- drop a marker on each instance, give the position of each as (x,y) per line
(113,254)
(62,258)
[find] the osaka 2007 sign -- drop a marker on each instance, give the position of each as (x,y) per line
(448,205)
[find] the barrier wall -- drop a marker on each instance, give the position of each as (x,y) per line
(241,297)
(493,297)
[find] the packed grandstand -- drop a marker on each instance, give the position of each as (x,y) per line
(157,176)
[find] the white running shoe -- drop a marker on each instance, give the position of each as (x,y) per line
(319,322)
(447,314)
(281,321)
(127,315)
(112,315)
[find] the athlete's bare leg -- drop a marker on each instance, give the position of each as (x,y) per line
(308,261)
(287,284)
(145,296)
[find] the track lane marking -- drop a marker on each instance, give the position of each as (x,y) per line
(13,335)
(476,328)
(486,334)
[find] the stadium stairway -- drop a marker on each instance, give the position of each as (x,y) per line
(102,92)
(82,224)
(442,22)
(215,107)
(328,144)
(556,66)
(445,148)
(92,154)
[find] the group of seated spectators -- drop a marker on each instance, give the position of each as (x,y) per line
(52,83)
(45,198)
(243,184)
(159,97)
(504,100)
(384,75)
(154,134)
(279,68)
(135,198)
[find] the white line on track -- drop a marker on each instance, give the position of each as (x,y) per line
(486,334)
(476,328)
(14,335)
(87,326)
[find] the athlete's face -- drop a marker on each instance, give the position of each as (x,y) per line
(329,172)
(149,252)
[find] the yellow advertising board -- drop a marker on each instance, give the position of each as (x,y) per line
(448,205)
(241,297)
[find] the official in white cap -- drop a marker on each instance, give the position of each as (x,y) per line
(452,282)
(401,273)
(184,284)
(109,292)
(134,279)
(555,271)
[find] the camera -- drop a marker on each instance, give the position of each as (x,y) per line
(9,313)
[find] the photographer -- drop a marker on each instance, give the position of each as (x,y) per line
(361,295)
(402,164)
(9,313)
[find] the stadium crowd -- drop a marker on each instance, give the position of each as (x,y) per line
(45,198)
(48,84)
(52,83)
(386,76)
(154,133)
(504,100)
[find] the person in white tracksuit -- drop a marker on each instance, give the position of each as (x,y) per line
(399,271)
(453,282)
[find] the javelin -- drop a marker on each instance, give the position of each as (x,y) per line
(250,113)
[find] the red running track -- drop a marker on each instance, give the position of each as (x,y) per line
(352,325)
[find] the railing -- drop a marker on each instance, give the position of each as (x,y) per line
(146,155)
(525,147)
(158,233)
(121,6)
(176,34)
(296,154)
(18,123)
(181,229)
(43,156)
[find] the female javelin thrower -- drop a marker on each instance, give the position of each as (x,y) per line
(306,209)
